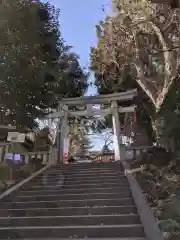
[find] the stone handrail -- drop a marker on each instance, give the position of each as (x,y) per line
(148,220)
(43,156)
(4,150)
(20,184)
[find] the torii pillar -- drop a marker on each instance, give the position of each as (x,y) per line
(63,132)
(118,145)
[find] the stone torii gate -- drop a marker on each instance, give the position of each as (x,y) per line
(63,113)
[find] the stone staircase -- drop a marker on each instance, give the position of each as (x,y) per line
(87,201)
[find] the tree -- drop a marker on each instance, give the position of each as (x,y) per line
(145,112)
(138,47)
(105,137)
(73,79)
(37,67)
(170,114)
(145,37)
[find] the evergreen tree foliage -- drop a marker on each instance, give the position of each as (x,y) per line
(37,67)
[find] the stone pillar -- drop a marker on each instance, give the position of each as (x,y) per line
(119,147)
(26,159)
(62,136)
(1,154)
(53,153)
(45,159)
(6,151)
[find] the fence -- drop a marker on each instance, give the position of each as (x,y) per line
(25,157)
(133,152)
(105,157)
(3,151)
(44,157)
(16,167)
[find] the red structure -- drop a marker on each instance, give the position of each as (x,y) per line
(105,157)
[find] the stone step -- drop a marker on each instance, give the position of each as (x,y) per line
(86,173)
(75,186)
(65,203)
(74,196)
(70,220)
(95,231)
(94,201)
(69,176)
(81,169)
(61,186)
(90,165)
(72,190)
(66,211)
(129,238)
(81,177)
(77,182)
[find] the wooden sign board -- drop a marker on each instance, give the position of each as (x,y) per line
(16,137)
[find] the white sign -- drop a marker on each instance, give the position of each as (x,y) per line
(16,137)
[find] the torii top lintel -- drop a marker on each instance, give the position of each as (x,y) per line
(128,95)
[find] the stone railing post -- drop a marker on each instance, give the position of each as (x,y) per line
(53,156)
(2,153)
(26,159)
(6,151)
(45,159)
(134,154)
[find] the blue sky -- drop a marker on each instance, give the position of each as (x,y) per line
(77,23)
